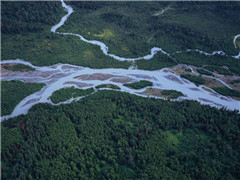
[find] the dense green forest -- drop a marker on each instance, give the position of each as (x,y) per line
(214,63)
(25,17)
(115,135)
(128,28)
(226,91)
(13,92)
(159,61)
(26,35)
(112,134)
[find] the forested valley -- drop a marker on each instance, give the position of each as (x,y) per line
(109,134)
(115,135)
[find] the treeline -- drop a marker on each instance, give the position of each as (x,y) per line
(227,92)
(114,135)
(23,17)
(13,92)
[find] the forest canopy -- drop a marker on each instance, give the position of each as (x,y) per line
(115,135)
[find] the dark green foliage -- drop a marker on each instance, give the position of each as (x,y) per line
(172,94)
(217,61)
(13,135)
(65,94)
(235,81)
(227,92)
(45,48)
(18,67)
(139,85)
(112,86)
(183,26)
(87,5)
(195,79)
(219,70)
(159,61)
(188,70)
(19,90)
(115,135)
(202,71)
(131,32)
(41,46)
(24,17)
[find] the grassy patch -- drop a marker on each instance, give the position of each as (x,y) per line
(227,92)
(65,94)
(106,34)
(195,79)
(169,94)
(15,91)
(139,85)
(112,86)
(171,137)
(172,94)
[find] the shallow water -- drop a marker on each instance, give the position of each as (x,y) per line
(64,75)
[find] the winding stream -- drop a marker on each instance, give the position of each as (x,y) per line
(160,13)
(105,48)
(65,75)
(234,41)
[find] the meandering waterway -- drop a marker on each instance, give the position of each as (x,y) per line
(105,48)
